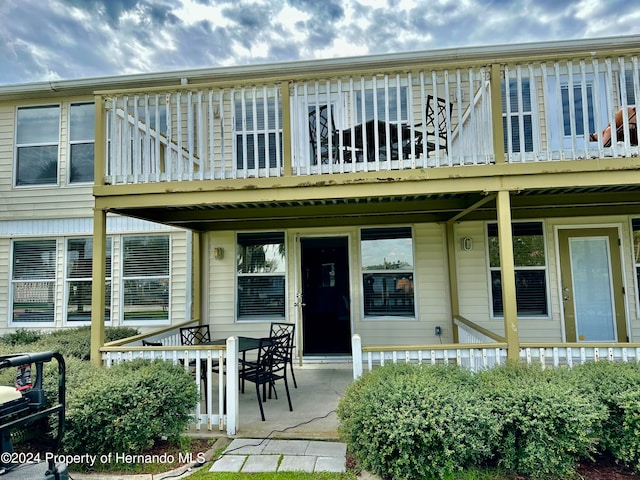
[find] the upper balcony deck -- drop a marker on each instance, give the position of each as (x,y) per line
(436,112)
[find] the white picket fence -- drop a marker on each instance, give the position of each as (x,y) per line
(219,410)
(479,356)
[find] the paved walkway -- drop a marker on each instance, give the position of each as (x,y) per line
(265,455)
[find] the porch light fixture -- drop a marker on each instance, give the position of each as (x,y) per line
(218,253)
(466,244)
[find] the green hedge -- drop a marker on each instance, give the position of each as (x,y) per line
(546,426)
(127,407)
(617,387)
(70,342)
(415,422)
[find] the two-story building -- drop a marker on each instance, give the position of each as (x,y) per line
(424,198)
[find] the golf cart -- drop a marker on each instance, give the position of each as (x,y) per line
(25,405)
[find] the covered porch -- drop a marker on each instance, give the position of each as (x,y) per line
(224,410)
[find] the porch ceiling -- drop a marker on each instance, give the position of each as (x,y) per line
(531,203)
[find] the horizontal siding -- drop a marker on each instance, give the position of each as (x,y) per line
(179,281)
(59,201)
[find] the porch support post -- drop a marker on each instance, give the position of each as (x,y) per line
(507,272)
(454,299)
(196,275)
(98,284)
(286,130)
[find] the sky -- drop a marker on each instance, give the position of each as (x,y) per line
(47,40)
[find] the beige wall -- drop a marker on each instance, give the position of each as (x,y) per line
(473,278)
(60,201)
(431,283)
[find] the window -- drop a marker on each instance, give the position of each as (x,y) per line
(261,276)
(258,130)
(393,100)
(636,251)
(37,137)
(387,272)
(81,141)
(145,278)
(630,87)
(33,281)
(530,269)
(78,280)
(579,110)
(511,118)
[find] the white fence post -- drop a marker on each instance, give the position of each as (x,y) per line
(233,400)
(356,351)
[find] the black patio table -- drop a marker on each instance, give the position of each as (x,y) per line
(245,344)
(399,140)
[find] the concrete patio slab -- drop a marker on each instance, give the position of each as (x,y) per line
(297,463)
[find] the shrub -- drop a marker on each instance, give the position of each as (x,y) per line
(546,425)
(406,421)
(127,407)
(70,342)
(22,336)
(615,385)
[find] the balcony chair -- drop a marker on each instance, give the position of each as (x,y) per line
(436,128)
(269,367)
(281,328)
(319,130)
(633,129)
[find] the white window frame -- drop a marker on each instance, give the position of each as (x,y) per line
(491,269)
(555,85)
(71,143)
(284,275)
(18,146)
(123,279)
(68,279)
(412,271)
(247,100)
(14,282)
(512,118)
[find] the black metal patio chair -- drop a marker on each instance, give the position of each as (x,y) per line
(269,367)
(283,328)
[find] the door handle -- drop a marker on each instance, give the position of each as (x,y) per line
(566,298)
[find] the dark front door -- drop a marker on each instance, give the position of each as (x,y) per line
(326,319)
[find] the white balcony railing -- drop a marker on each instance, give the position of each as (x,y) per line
(406,119)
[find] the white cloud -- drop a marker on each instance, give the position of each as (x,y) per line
(82,38)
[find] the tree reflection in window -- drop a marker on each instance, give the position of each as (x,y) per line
(261,275)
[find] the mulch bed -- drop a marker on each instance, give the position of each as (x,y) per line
(605,468)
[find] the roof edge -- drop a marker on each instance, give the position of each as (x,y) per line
(84,86)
